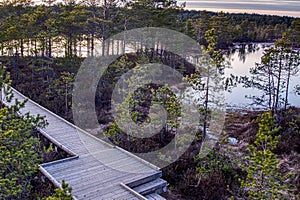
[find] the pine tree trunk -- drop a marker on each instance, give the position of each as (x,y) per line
(92,44)
(278,83)
(287,88)
(75,47)
(66,98)
(35,49)
(49,47)
(88,47)
(22,47)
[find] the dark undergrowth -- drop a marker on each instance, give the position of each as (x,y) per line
(182,174)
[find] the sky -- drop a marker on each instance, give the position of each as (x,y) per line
(272,7)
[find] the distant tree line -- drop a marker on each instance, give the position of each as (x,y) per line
(70,26)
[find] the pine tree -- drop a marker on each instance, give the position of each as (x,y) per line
(272,76)
(62,194)
(207,83)
(18,148)
(263,180)
(61,90)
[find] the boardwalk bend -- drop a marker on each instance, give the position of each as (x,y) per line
(101,171)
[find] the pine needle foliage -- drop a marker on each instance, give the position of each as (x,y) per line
(263,180)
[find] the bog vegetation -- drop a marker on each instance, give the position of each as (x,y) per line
(42,47)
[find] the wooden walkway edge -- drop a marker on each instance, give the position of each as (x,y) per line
(96,169)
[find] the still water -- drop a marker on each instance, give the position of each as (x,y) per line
(241,60)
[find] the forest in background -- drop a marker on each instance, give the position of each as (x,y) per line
(30,36)
(40,30)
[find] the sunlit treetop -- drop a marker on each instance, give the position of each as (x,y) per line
(16,2)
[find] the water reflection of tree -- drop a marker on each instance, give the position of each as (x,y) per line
(242,53)
(243,50)
(246,49)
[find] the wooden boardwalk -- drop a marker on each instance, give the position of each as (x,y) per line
(96,170)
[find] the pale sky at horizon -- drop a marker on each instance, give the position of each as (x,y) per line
(272,7)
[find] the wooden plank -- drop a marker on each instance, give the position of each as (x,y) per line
(133,192)
(111,157)
(55,162)
(111,194)
(134,183)
(151,186)
(104,188)
(85,174)
(154,196)
(69,168)
(112,179)
(79,164)
(122,195)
